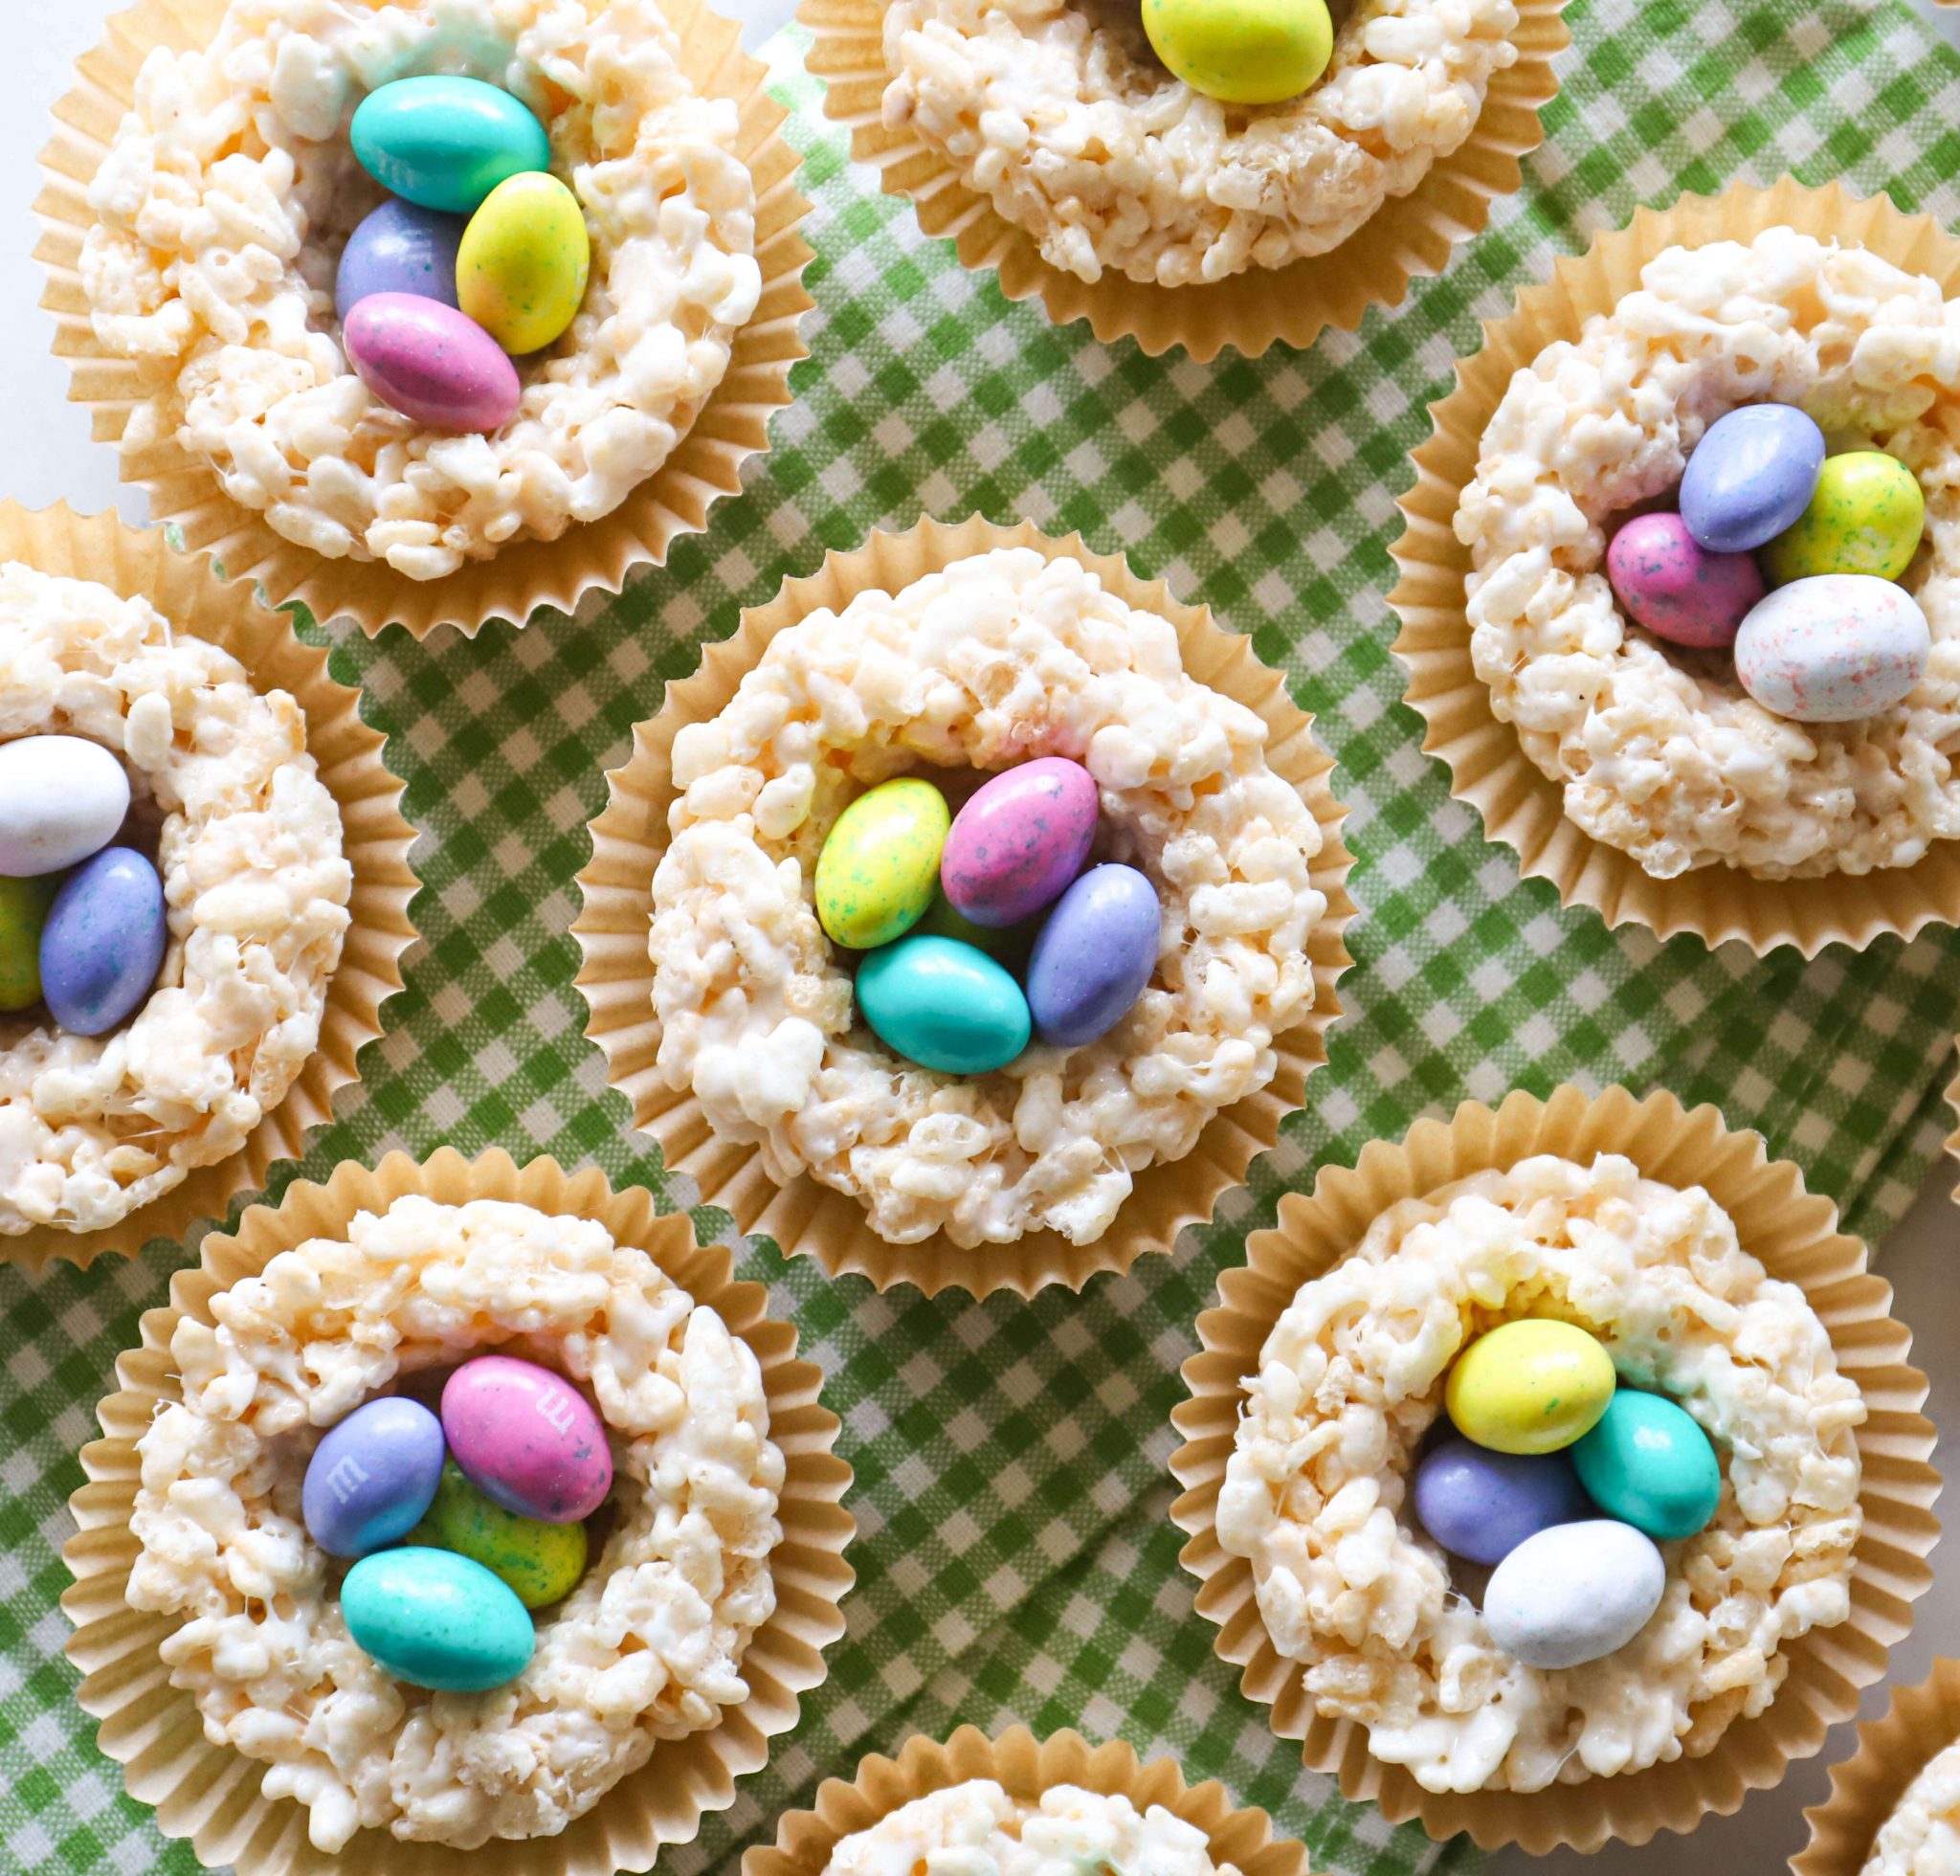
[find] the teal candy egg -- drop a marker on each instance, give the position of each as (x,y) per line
(446,142)
(1649,1465)
(436,1620)
(943,1005)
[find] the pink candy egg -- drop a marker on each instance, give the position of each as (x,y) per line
(430,361)
(527,1437)
(1019,841)
(1676,588)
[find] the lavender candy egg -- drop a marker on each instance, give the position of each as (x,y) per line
(1483,1505)
(104,942)
(400,248)
(1677,588)
(1751,477)
(1832,648)
(526,1439)
(430,363)
(373,1477)
(1094,956)
(1019,840)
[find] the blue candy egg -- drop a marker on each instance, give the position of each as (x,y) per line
(1483,1505)
(104,942)
(1649,1463)
(943,1005)
(400,248)
(437,1620)
(1751,477)
(1094,956)
(446,142)
(373,1477)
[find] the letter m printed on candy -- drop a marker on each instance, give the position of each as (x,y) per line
(556,1410)
(347,1476)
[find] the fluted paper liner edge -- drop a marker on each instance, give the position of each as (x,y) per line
(1025,1766)
(1408,237)
(1522,806)
(706,465)
(812,1220)
(1795,1234)
(375,838)
(210,1795)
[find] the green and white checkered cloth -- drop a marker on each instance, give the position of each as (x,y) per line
(1016,1558)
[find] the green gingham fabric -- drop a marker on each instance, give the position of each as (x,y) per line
(1015,1558)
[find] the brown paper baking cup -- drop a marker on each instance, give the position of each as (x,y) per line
(1024,1767)
(375,838)
(1794,1234)
(212,1794)
(732,426)
(1521,806)
(1408,237)
(811,1219)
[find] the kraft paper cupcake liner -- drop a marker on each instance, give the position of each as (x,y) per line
(1024,1767)
(1522,806)
(812,1220)
(211,1793)
(1408,237)
(524,575)
(1794,1234)
(375,838)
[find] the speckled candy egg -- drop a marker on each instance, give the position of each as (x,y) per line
(541,1562)
(1483,1505)
(1864,516)
(399,248)
(1243,51)
(435,365)
(1019,840)
(1751,477)
(880,863)
(1529,1386)
(1574,1593)
(445,143)
(23,913)
(1677,588)
(527,1438)
(1649,1463)
(371,1478)
(61,798)
(1833,649)
(1094,956)
(436,1620)
(943,1005)
(521,271)
(104,942)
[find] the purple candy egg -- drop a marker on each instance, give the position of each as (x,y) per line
(432,364)
(104,942)
(1676,588)
(1483,1505)
(527,1438)
(400,248)
(1094,956)
(1019,840)
(372,1477)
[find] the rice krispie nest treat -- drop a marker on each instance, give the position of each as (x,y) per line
(258,889)
(1922,1837)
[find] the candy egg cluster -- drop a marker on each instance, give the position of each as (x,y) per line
(82,923)
(1563,1483)
(948,907)
(479,253)
(459,1525)
(1787,555)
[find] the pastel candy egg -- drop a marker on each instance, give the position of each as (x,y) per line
(446,142)
(527,1438)
(1751,477)
(1243,51)
(1483,1505)
(521,271)
(1864,516)
(1019,840)
(880,864)
(1094,956)
(23,913)
(1649,1463)
(541,1562)
(1529,1386)
(436,1620)
(435,365)
(1675,588)
(61,798)
(1832,648)
(372,1477)
(943,1005)
(400,248)
(1574,1593)
(104,942)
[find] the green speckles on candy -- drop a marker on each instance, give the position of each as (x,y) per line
(879,867)
(1865,516)
(541,1562)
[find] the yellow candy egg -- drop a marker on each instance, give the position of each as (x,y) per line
(1865,516)
(520,270)
(1243,51)
(1529,1386)
(877,869)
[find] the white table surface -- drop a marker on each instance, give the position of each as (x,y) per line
(46,454)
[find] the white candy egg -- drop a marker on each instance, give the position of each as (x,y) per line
(1574,1592)
(1832,648)
(62,799)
